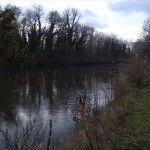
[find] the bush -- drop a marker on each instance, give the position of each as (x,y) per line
(137,68)
(97,123)
(30,137)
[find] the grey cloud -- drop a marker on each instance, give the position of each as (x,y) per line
(89,13)
(88,17)
(131,6)
(96,24)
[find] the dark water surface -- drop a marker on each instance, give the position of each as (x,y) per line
(47,93)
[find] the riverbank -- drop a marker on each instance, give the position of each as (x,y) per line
(135,131)
(26,64)
(124,124)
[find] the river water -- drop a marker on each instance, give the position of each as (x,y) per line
(48,93)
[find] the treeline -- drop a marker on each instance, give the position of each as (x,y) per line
(142,45)
(34,38)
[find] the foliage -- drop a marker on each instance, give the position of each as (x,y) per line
(122,124)
(136,70)
(9,31)
(143,43)
(96,123)
(62,40)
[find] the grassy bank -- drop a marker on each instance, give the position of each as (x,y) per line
(124,123)
(135,132)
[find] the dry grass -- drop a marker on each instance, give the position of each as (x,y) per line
(137,69)
(97,124)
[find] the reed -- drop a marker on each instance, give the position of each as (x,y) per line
(97,124)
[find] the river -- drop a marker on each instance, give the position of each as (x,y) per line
(48,93)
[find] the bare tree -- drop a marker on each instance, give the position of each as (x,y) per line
(70,20)
(32,30)
(53,21)
(145,38)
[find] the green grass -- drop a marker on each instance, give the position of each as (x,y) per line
(135,133)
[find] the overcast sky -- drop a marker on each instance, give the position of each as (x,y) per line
(121,17)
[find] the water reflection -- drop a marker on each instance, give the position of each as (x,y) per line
(47,93)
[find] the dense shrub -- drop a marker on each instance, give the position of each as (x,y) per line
(137,68)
